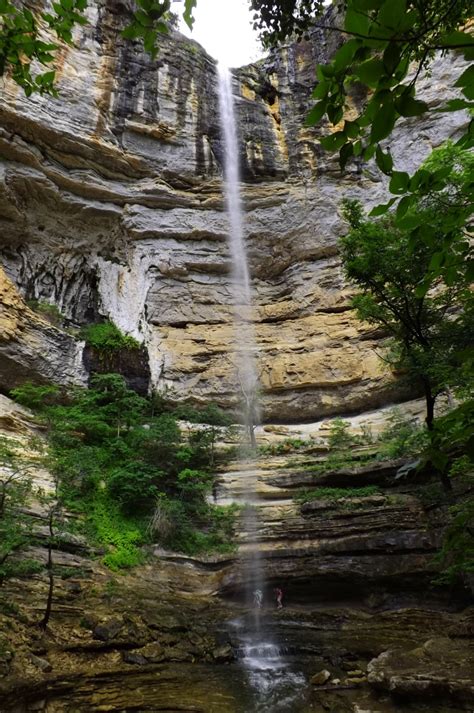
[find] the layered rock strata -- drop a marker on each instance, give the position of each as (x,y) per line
(111,206)
(31,347)
(358,603)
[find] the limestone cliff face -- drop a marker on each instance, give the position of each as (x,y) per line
(111,205)
(30,345)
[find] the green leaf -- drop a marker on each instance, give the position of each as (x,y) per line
(384,160)
(345,54)
(149,41)
(49,77)
(407,106)
(333,141)
(382,208)
(321,89)
(456,105)
(409,222)
(356,22)
(450,276)
(142,18)
(422,289)
(469,92)
(369,152)
(316,113)
(391,57)
(420,179)
(345,154)
(404,205)
(335,112)
(383,122)
(132,32)
(466,78)
(436,262)
(391,13)
(189,6)
(370,72)
(456,39)
(6,8)
(351,129)
(399,182)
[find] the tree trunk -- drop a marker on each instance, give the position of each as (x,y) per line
(49,601)
(430,404)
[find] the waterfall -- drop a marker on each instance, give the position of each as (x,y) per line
(244,335)
(245,345)
(268,673)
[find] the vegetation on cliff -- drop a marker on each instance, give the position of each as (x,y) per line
(123,461)
(106,338)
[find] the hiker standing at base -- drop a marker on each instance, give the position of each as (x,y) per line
(279,597)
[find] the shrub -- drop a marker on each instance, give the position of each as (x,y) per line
(106,338)
(286,446)
(123,535)
(457,553)
(34,396)
(403,436)
(120,464)
(335,494)
(339,435)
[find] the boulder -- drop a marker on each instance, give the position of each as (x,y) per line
(319,679)
(108,630)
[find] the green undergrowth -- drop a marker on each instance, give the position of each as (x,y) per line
(287,446)
(335,495)
(401,438)
(125,467)
(122,534)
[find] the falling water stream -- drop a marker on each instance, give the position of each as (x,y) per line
(275,685)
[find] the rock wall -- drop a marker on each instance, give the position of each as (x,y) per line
(111,206)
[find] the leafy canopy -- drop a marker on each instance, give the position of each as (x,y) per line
(381,41)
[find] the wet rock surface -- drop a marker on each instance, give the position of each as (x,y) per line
(440,670)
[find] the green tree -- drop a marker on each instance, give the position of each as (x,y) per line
(431,322)
(381,41)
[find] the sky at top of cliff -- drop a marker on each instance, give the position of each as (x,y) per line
(224,28)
